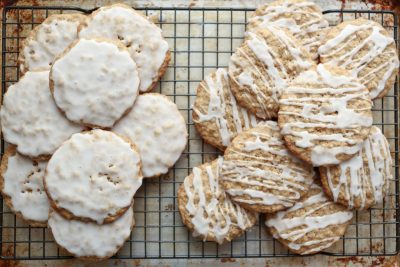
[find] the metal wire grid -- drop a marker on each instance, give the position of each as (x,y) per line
(200,41)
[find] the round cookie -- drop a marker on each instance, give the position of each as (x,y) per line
(205,208)
(325,115)
(159,131)
(100,179)
(88,240)
(260,174)
(311,225)
(143,39)
(47,40)
(21,183)
(303,19)
(30,119)
(94,82)
(363,180)
(367,50)
(262,67)
(216,115)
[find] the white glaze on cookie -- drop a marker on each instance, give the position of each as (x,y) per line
(260,171)
(84,239)
(49,39)
(95,82)
(158,129)
(308,32)
(100,179)
(378,45)
(23,184)
(210,210)
(217,88)
(142,38)
(266,66)
(369,170)
(292,229)
(319,110)
(31,120)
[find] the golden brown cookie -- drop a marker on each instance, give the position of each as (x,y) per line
(260,174)
(325,115)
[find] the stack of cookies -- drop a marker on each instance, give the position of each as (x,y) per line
(292,114)
(83,130)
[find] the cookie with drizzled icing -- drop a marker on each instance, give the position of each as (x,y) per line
(363,180)
(303,19)
(205,208)
(217,116)
(313,224)
(262,67)
(325,115)
(367,50)
(260,174)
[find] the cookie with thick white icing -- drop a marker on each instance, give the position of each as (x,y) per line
(97,184)
(159,131)
(311,225)
(262,67)
(302,18)
(143,39)
(30,119)
(89,240)
(205,208)
(47,40)
(260,174)
(325,115)
(94,82)
(217,116)
(367,50)
(363,180)
(21,183)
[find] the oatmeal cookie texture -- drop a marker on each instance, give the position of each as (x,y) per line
(363,180)
(367,50)
(94,82)
(100,179)
(143,39)
(260,174)
(47,40)
(89,240)
(159,131)
(217,116)
(311,225)
(31,120)
(325,115)
(21,184)
(205,208)
(303,19)
(262,67)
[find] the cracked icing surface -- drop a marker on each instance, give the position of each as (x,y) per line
(90,240)
(325,115)
(143,39)
(311,225)
(100,179)
(216,114)
(260,174)
(158,129)
(367,50)
(363,180)
(303,19)
(22,187)
(31,120)
(262,67)
(94,82)
(205,208)
(47,40)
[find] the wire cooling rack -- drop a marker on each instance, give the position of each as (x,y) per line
(200,41)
